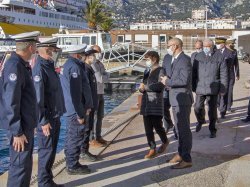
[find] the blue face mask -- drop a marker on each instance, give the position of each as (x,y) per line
(206,50)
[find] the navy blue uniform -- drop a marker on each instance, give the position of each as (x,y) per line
(223,100)
(50,107)
(77,97)
(93,86)
(20,116)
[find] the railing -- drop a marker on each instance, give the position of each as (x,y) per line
(124,55)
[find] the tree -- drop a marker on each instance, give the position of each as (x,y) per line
(98,16)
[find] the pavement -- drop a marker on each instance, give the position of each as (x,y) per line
(220,162)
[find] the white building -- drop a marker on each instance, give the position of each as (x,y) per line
(199,14)
(188,24)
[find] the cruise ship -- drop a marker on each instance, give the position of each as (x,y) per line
(17,16)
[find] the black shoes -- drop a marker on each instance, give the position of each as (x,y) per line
(79,170)
(169,127)
(198,127)
(213,135)
(247,119)
(222,116)
(175,134)
(88,157)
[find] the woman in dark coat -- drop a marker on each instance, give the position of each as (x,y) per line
(152,104)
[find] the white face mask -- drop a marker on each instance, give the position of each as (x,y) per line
(199,50)
(170,52)
(54,56)
(33,56)
(218,46)
(149,63)
(98,56)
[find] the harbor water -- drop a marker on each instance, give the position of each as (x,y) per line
(112,100)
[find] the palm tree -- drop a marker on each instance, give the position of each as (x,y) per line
(97,14)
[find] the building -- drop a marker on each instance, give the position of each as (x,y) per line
(188,24)
(199,14)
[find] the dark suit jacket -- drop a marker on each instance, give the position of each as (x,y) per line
(180,82)
(167,66)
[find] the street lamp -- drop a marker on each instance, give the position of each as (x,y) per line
(206,23)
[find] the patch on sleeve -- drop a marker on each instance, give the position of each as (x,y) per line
(13,77)
(74,75)
(37,78)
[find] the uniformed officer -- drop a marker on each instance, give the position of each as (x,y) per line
(50,107)
(19,108)
(78,101)
(90,58)
(228,58)
(234,72)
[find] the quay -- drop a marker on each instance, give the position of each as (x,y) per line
(220,162)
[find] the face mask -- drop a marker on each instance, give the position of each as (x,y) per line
(198,50)
(98,56)
(170,52)
(33,56)
(149,63)
(206,50)
(54,56)
(218,46)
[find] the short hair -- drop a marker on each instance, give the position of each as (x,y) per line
(22,46)
(199,41)
(207,40)
(178,41)
(153,54)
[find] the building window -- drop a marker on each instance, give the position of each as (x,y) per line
(93,40)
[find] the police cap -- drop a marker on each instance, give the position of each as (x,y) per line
(220,40)
(27,37)
(75,49)
(49,43)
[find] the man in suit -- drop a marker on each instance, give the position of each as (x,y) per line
(228,58)
(181,99)
(198,49)
(209,80)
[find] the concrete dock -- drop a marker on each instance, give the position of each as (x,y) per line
(220,162)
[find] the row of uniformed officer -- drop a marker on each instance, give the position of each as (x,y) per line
(50,108)
(19,109)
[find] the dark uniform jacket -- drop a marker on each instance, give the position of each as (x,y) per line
(210,74)
(152,99)
(18,97)
(234,69)
(180,81)
(76,89)
(229,59)
(93,84)
(48,90)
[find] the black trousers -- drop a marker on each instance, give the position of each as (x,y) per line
(182,123)
(87,133)
(225,102)
(97,128)
(199,110)
(151,123)
(47,152)
(167,116)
